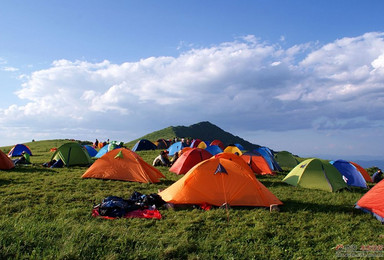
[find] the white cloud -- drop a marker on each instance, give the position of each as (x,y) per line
(246,82)
(9,69)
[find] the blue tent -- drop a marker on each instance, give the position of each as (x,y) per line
(267,154)
(350,174)
(174,148)
(241,148)
(91,151)
(214,149)
(144,144)
(106,149)
(18,149)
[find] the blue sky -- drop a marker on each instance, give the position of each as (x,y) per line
(303,76)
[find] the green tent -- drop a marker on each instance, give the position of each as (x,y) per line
(286,159)
(316,174)
(72,154)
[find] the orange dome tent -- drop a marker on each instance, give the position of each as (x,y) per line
(189,159)
(5,162)
(257,163)
(185,149)
(219,181)
(237,159)
(372,202)
(125,165)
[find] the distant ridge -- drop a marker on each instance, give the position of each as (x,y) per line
(205,131)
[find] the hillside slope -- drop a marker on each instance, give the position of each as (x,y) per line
(205,131)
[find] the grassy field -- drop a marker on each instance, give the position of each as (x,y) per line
(46,214)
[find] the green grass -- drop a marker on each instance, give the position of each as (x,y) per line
(46,214)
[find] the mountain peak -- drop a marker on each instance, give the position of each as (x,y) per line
(204,130)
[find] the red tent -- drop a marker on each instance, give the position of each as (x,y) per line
(189,159)
(5,162)
(218,143)
(363,172)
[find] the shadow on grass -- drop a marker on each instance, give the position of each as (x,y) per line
(33,169)
(5,182)
(294,206)
(167,182)
(274,183)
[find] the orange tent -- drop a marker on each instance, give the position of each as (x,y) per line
(372,202)
(185,149)
(363,172)
(189,159)
(5,162)
(125,165)
(217,181)
(237,159)
(257,163)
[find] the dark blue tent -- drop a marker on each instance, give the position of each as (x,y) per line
(350,174)
(143,145)
(241,148)
(18,149)
(267,154)
(91,151)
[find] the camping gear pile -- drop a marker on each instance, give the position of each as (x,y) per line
(137,206)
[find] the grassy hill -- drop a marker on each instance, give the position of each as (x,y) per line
(205,131)
(46,214)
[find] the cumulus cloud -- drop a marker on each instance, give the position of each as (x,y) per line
(245,82)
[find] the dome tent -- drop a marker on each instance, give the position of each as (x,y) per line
(125,165)
(143,145)
(72,154)
(105,149)
(214,149)
(350,173)
(268,156)
(91,151)
(18,149)
(218,181)
(257,163)
(189,159)
(5,162)
(316,174)
(372,202)
(233,149)
(286,159)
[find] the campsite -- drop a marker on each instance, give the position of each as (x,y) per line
(46,213)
